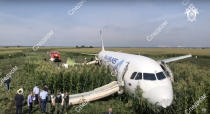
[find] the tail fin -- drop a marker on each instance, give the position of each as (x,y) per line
(102,43)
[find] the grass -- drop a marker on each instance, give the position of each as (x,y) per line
(191,78)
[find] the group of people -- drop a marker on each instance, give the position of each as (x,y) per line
(47,102)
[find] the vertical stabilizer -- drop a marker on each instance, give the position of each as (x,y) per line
(102,43)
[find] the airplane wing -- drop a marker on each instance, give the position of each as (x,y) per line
(92,62)
(88,63)
(175,59)
(89,54)
(73,63)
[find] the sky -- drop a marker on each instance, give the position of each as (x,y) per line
(125,23)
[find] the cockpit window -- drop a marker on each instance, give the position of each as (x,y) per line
(160,76)
(149,76)
(133,75)
(138,76)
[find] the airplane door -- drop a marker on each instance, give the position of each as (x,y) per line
(122,68)
(167,70)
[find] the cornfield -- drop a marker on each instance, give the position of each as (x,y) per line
(191,79)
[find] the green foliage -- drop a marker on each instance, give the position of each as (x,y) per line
(191,80)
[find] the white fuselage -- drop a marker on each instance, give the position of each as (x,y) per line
(147,74)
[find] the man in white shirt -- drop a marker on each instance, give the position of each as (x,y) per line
(43,97)
(36,92)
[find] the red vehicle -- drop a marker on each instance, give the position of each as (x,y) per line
(55,56)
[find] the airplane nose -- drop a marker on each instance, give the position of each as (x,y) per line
(161,96)
(165,103)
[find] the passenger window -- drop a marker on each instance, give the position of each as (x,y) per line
(133,75)
(138,76)
(160,76)
(149,76)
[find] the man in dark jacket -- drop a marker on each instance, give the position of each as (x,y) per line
(19,101)
(66,102)
(7,82)
(58,101)
(46,88)
(49,104)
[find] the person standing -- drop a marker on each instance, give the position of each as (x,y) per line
(46,88)
(66,102)
(43,98)
(58,101)
(7,82)
(36,93)
(49,105)
(30,102)
(19,98)
(21,89)
(39,100)
(52,103)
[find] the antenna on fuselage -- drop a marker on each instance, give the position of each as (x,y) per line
(102,43)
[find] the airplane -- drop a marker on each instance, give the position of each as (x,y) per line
(153,77)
